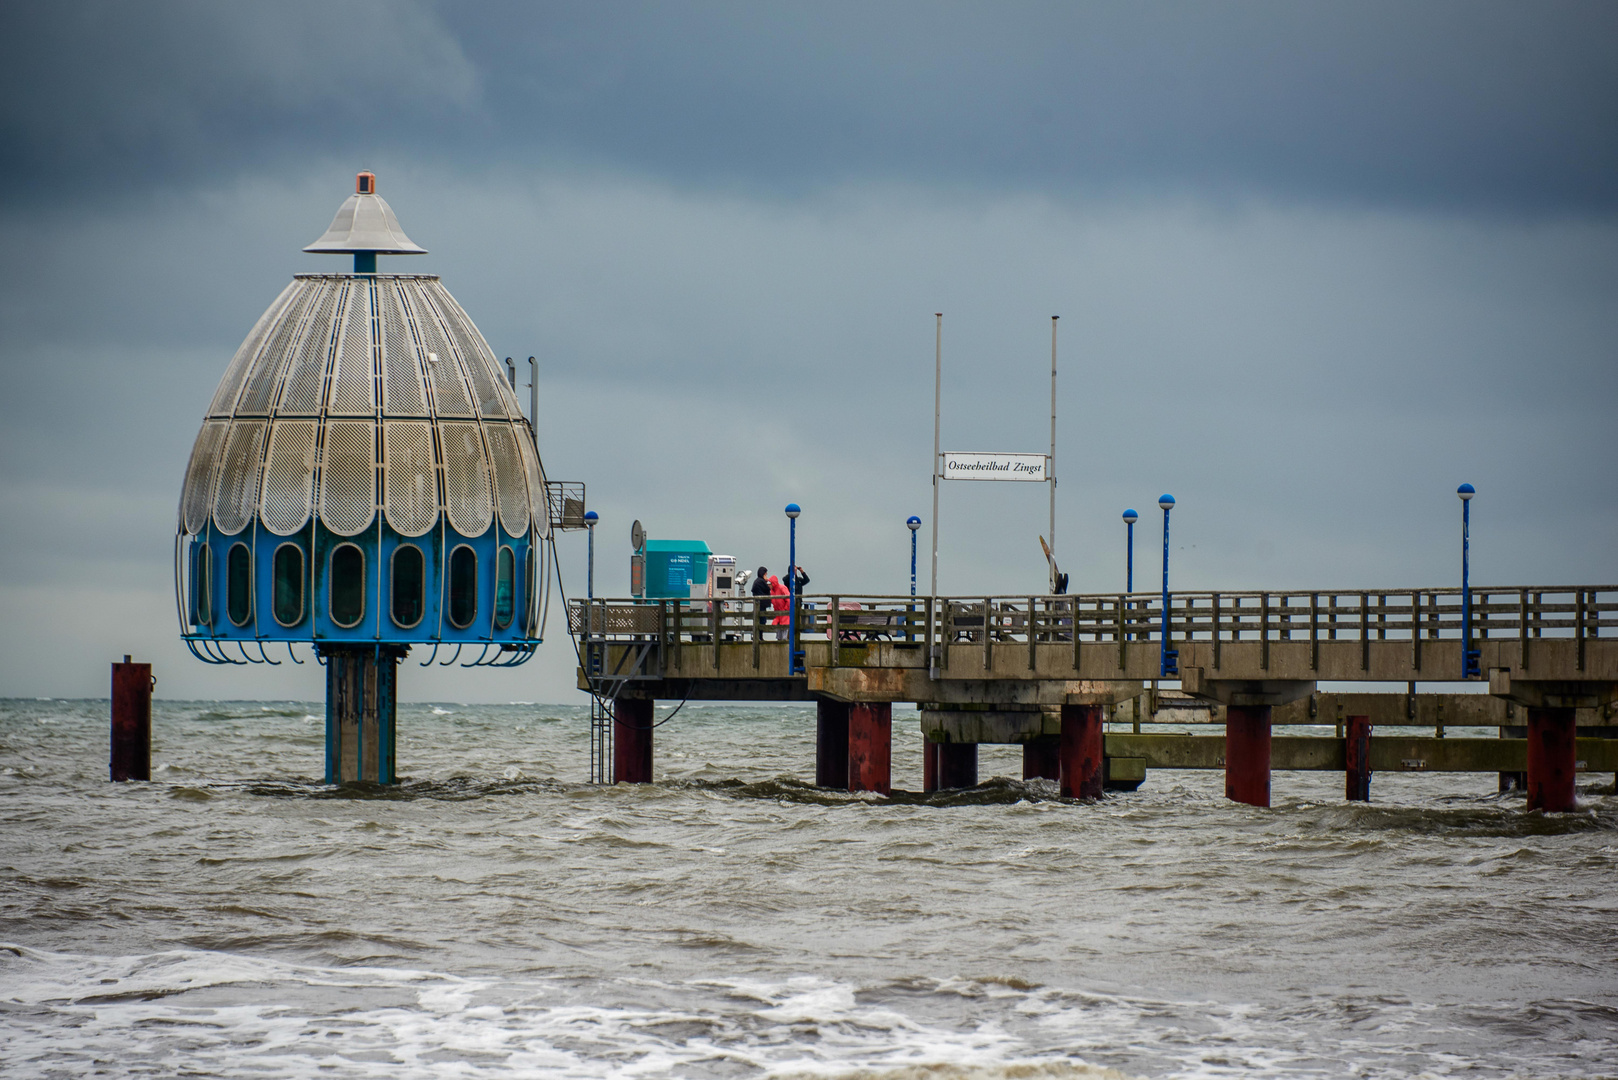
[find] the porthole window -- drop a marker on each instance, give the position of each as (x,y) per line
(347,588)
(463,587)
(239,584)
(505,571)
(202,584)
(409,593)
(287,571)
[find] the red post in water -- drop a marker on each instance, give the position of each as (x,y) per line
(632,740)
(1551,760)
(929,765)
(131,721)
(831,744)
(957,765)
(1357,744)
(1247,754)
(1042,758)
(1080,751)
(870,747)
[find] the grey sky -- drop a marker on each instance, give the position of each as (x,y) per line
(1316,264)
(1461,105)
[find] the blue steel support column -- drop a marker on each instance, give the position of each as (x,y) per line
(334,767)
(1169,665)
(794,654)
(1469,655)
(913,523)
(361,713)
(387,701)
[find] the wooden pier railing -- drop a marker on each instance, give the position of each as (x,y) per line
(1524,614)
(1380,635)
(1035,669)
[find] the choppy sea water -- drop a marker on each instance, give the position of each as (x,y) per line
(495,916)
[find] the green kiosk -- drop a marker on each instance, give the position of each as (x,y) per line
(666,569)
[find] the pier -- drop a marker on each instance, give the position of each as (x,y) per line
(1050,672)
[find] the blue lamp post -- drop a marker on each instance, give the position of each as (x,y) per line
(1130,517)
(590,519)
(1470,668)
(1170,664)
(794,654)
(913,523)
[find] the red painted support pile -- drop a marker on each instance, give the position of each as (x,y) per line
(1551,760)
(831,744)
(1357,744)
(1080,752)
(1042,758)
(131,721)
(1247,754)
(870,746)
(957,765)
(632,741)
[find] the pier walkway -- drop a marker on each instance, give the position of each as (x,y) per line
(1049,671)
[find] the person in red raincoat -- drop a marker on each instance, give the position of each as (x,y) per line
(780,603)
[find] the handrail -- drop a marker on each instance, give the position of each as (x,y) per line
(1413,616)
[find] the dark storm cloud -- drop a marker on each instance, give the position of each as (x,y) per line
(1492,106)
(122,97)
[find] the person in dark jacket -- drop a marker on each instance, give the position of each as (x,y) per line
(802,579)
(761,582)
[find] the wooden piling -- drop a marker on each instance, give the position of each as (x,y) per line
(1081,764)
(131,756)
(1247,754)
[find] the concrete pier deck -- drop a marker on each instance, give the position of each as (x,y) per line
(1017,669)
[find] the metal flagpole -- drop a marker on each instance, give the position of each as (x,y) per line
(533,401)
(1050,474)
(938,383)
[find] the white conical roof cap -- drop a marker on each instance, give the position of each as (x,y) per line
(365,222)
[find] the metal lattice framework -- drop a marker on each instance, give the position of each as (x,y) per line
(355,394)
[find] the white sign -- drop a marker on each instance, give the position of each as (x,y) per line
(960,466)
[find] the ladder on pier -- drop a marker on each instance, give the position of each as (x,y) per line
(601,742)
(604,691)
(605,686)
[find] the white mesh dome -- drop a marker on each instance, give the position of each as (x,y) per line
(349,356)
